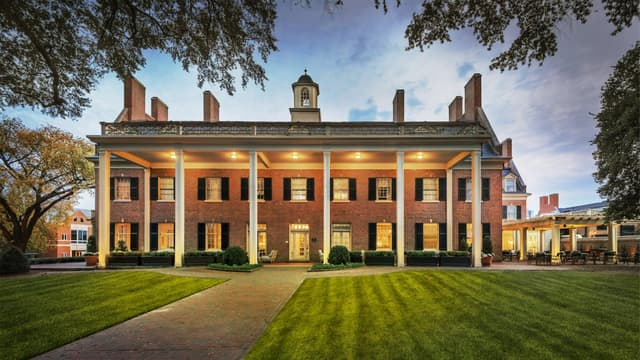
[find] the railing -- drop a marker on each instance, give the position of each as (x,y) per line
(228,128)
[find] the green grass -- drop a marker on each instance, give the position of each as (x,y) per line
(459,315)
(41,313)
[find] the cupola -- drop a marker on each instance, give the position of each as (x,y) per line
(305,99)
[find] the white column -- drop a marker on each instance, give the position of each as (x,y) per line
(449,209)
(540,240)
(613,236)
(400,208)
(555,240)
(523,243)
(476,208)
(326,206)
(104,206)
(147,210)
(179,205)
(253,207)
(574,239)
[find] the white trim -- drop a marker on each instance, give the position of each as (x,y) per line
(253,207)
(179,196)
(400,208)
(326,206)
(104,205)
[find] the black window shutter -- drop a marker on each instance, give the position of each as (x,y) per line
(393,189)
(352,189)
(112,188)
(225,235)
(486,185)
(372,189)
(310,189)
(224,192)
(244,188)
(486,230)
(202,184)
(419,235)
(153,243)
(133,188)
(201,236)
(133,238)
(462,189)
(504,212)
(442,236)
(442,189)
(286,189)
(518,212)
(153,188)
(462,232)
(372,236)
(331,189)
(112,236)
(394,237)
(267,189)
(419,190)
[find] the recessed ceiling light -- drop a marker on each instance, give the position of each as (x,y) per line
(420,156)
(234,155)
(172,155)
(294,156)
(358,156)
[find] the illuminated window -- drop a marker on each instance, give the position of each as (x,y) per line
(214,236)
(165,188)
(165,236)
(384,236)
(122,235)
(383,189)
(340,189)
(260,188)
(122,188)
(298,189)
(341,235)
(430,189)
(214,189)
(430,236)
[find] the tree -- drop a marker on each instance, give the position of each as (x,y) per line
(617,143)
(40,170)
(55,51)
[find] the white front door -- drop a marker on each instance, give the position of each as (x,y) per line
(299,242)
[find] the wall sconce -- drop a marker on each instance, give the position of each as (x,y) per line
(430,220)
(122,220)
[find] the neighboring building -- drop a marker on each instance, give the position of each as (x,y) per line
(514,198)
(71,236)
(298,186)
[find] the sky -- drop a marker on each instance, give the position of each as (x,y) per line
(357,55)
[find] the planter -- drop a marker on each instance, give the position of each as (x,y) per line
(486,261)
(455,261)
(379,260)
(356,258)
(422,260)
(156,260)
(91,260)
(125,260)
(200,260)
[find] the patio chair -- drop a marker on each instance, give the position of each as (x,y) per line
(271,258)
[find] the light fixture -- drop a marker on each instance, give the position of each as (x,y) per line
(358,156)
(172,155)
(234,155)
(122,220)
(420,156)
(294,156)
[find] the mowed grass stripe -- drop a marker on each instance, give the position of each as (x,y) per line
(41,313)
(435,314)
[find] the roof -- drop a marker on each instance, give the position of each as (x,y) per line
(85,212)
(305,79)
(593,206)
(511,168)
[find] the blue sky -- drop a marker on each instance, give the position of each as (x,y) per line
(357,56)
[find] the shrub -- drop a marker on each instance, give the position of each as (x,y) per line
(456,253)
(422,253)
(122,246)
(370,253)
(487,246)
(235,255)
(339,255)
(91,245)
(12,261)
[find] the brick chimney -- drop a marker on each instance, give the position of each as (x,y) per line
(398,106)
(549,204)
(472,97)
(211,107)
(455,109)
(505,146)
(159,110)
(134,93)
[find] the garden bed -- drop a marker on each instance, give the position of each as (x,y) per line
(385,258)
(235,268)
(331,267)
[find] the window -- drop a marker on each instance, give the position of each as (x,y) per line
(383,189)
(304,97)
(341,235)
(384,235)
(430,236)
(261,189)
(165,236)
(74,236)
(122,232)
(512,213)
(214,236)
(509,185)
(165,188)
(122,187)
(430,189)
(468,189)
(341,189)
(465,189)
(298,189)
(64,237)
(213,189)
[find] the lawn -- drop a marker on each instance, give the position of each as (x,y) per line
(41,313)
(460,315)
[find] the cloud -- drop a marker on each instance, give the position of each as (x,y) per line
(464,70)
(368,113)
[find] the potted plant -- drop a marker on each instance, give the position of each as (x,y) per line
(91,255)
(459,258)
(487,251)
(379,258)
(422,258)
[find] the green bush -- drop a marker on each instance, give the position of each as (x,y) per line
(55,260)
(378,253)
(456,253)
(422,253)
(235,268)
(92,247)
(339,255)
(235,255)
(127,253)
(329,267)
(487,246)
(158,253)
(12,261)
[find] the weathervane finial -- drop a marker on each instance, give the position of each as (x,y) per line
(305,71)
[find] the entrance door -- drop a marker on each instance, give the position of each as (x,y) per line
(299,242)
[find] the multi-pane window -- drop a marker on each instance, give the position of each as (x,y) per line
(383,189)
(341,189)
(165,236)
(214,189)
(341,235)
(304,97)
(298,189)
(214,236)
(468,189)
(430,189)
(260,188)
(78,236)
(64,237)
(430,236)
(384,236)
(121,235)
(122,187)
(512,212)
(165,188)
(509,185)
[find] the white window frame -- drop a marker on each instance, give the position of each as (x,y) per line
(509,185)
(164,191)
(213,236)
(384,192)
(468,189)
(430,190)
(341,235)
(512,212)
(213,189)
(384,233)
(298,189)
(122,232)
(122,189)
(340,189)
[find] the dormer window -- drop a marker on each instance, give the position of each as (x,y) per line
(304,97)
(509,185)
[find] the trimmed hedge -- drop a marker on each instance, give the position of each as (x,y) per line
(53,260)
(330,267)
(339,255)
(423,253)
(235,268)
(235,255)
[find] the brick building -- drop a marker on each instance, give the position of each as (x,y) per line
(298,186)
(71,236)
